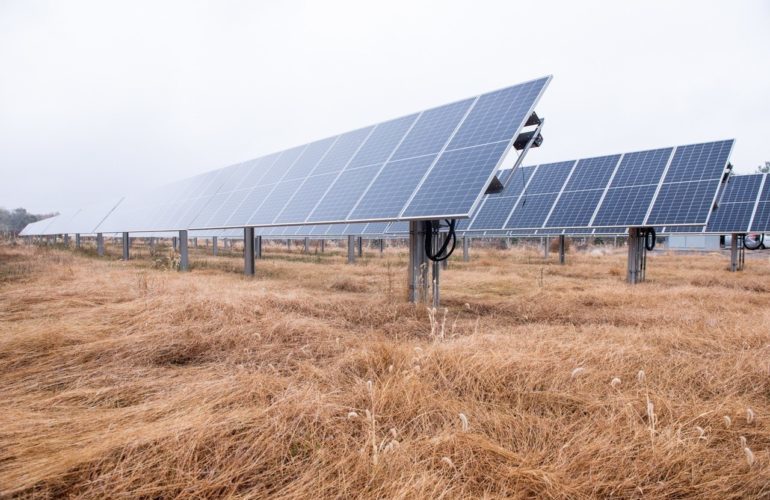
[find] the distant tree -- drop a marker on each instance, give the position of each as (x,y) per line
(764,169)
(13,221)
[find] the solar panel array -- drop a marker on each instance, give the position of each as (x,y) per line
(740,208)
(660,187)
(431,164)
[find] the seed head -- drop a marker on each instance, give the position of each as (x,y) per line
(464,421)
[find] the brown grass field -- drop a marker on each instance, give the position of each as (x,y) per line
(315,379)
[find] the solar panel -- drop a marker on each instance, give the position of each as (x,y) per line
(432,164)
(690,185)
(737,205)
(668,186)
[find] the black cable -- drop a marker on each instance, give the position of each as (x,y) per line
(649,238)
(442,253)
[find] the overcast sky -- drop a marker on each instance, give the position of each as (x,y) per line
(98,99)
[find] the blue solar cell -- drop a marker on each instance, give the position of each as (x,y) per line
(517,180)
(592,173)
(550,177)
(575,208)
(741,188)
(697,162)
(306,198)
(234,176)
(354,229)
(625,206)
(342,151)
(641,168)
(531,211)
(497,116)
(376,228)
(250,204)
(310,157)
(761,221)
(731,218)
(493,214)
(381,143)
(218,217)
(683,203)
(456,181)
(274,203)
(398,227)
(432,130)
(391,189)
(218,200)
(261,167)
(344,193)
(282,165)
(679,229)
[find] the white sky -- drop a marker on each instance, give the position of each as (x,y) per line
(101,98)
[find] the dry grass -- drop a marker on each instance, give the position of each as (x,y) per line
(315,379)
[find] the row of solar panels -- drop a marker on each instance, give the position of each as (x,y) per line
(744,207)
(435,164)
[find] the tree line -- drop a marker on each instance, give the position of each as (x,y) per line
(13,221)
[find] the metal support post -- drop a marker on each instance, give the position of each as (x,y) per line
(288,244)
(195,243)
(436,268)
(100,244)
(248,251)
(351,249)
(184,258)
(258,247)
(562,257)
(323,245)
(360,246)
(417,278)
(546,247)
(306,242)
(382,246)
(174,242)
(466,248)
(125,247)
(737,252)
(214,246)
(67,240)
(637,256)
(77,240)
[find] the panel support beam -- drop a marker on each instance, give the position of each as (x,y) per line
(126,248)
(562,250)
(100,244)
(184,258)
(351,249)
(248,251)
